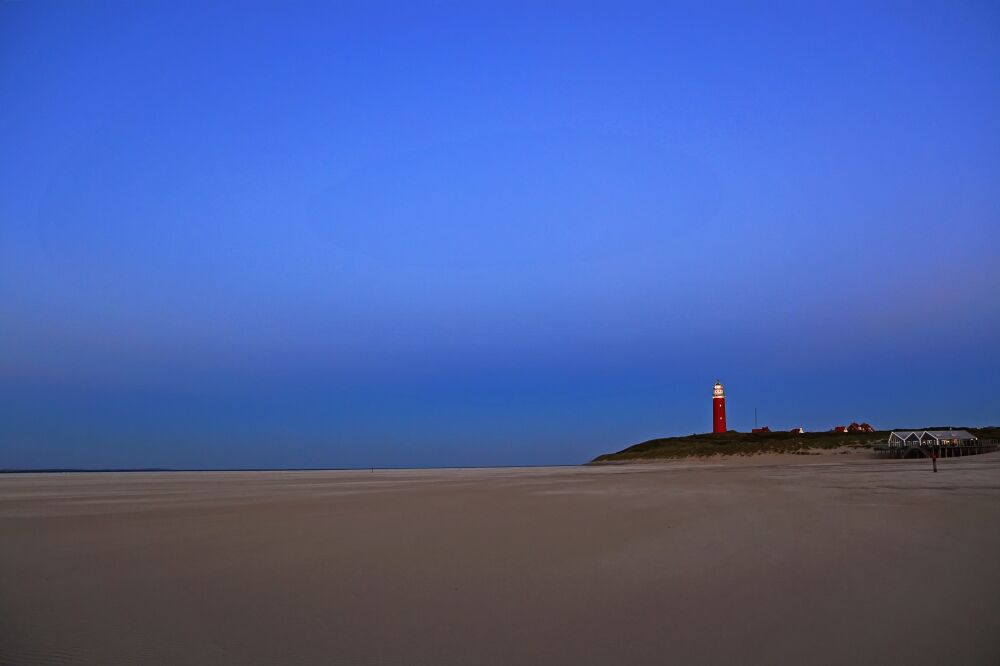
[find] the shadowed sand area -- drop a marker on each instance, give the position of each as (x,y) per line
(821,561)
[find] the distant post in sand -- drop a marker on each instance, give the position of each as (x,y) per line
(718,408)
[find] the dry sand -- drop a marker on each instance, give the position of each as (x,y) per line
(813,560)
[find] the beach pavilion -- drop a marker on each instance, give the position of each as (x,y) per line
(931,438)
(948,443)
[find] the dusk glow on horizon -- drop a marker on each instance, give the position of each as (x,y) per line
(447,234)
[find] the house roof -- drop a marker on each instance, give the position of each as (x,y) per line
(950,434)
(936,434)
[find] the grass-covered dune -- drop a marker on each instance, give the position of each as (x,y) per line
(744,443)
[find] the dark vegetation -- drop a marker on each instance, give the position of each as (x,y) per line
(734,443)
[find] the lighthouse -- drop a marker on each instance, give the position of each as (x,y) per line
(718,408)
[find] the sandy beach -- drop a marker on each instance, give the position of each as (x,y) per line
(803,559)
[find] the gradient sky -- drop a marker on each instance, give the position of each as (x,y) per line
(408,234)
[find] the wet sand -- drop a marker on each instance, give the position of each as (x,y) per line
(818,560)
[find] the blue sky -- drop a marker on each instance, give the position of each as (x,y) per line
(394,234)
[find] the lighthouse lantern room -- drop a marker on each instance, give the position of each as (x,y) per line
(718,408)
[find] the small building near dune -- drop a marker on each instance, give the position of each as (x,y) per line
(854,427)
(797,431)
(761,430)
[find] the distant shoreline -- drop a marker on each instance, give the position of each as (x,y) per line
(70,470)
(704,445)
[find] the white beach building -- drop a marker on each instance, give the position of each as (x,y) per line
(910,438)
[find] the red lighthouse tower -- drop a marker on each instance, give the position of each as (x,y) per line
(718,408)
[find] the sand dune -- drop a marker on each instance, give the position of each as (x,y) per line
(823,561)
